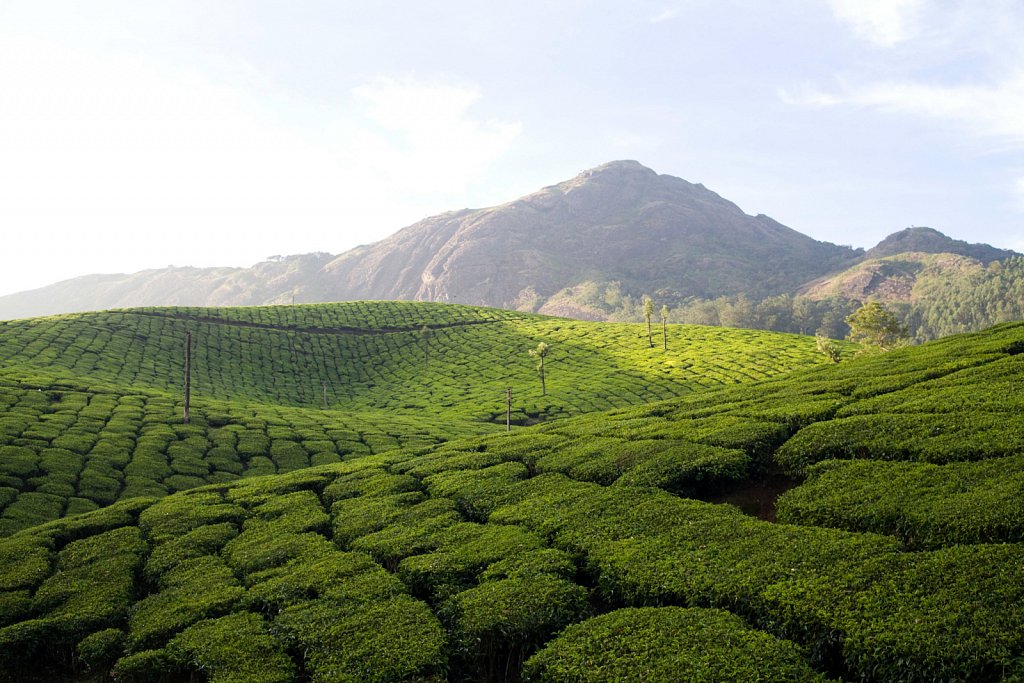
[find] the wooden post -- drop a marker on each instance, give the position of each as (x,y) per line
(188,373)
(508,410)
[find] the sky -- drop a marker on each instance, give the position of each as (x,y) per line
(139,134)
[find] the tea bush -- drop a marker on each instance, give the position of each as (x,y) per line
(662,644)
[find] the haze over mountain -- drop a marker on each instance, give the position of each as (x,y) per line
(617,223)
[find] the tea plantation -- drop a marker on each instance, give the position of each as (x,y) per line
(419,542)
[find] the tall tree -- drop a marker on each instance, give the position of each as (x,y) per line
(876,329)
(664,326)
(648,312)
(539,353)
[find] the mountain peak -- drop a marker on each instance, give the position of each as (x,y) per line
(930,241)
(619,165)
(619,222)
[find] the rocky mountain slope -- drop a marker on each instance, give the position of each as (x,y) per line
(617,222)
(615,231)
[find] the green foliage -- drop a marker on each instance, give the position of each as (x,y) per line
(146,665)
(505,620)
(90,405)
(396,639)
(949,615)
(205,540)
(91,588)
(430,560)
(178,515)
(648,309)
(476,491)
(99,650)
(237,648)
(930,437)
(462,552)
(829,348)
(193,590)
(926,506)
(876,329)
(25,561)
(540,353)
(342,578)
(668,644)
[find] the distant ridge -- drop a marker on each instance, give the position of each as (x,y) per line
(617,222)
(619,228)
(930,241)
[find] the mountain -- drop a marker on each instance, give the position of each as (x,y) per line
(587,248)
(620,222)
(930,241)
(270,282)
(893,278)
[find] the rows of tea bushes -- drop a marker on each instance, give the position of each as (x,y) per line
(73,438)
(371,570)
(349,315)
(352,356)
(925,505)
(565,551)
(64,457)
(668,644)
(64,450)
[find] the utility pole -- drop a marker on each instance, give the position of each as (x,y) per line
(508,410)
(188,373)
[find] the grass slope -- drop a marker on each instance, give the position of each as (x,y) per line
(372,355)
(468,560)
(90,404)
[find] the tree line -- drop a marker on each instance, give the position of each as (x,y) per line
(972,301)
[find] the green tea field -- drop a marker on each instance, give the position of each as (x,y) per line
(401,535)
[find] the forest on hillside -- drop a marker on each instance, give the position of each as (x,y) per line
(938,307)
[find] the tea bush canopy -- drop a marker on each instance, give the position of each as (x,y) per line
(284,542)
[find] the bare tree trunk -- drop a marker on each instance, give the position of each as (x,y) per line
(188,374)
(543,387)
(508,410)
(664,334)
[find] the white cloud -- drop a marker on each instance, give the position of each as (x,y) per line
(665,15)
(881,22)
(994,110)
(964,65)
(174,168)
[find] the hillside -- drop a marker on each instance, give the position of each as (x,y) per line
(931,241)
(620,222)
(91,404)
(617,222)
(580,549)
(270,282)
(894,279)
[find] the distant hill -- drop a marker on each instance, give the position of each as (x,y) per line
(930,241)
(620,222)
(269,282)
(586,248)
(893,278)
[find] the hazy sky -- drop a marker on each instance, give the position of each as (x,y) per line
(145,133)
